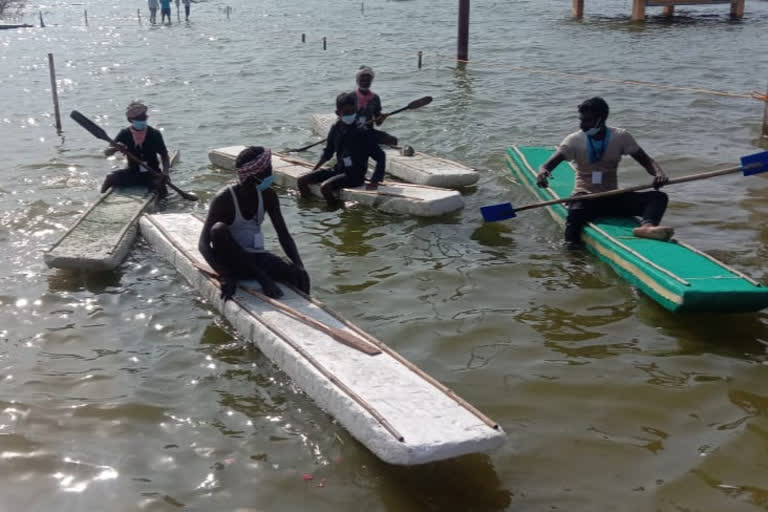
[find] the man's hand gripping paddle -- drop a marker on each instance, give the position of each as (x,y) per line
(750,164)
(99,133)
(421,102)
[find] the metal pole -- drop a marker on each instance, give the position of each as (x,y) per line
(138,15)
(54,91)
(463,48)
(578,9)
(420,54)
(85,13)
(325,45)
(303,38)
(42,24)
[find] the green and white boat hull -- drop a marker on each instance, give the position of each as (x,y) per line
(674,274)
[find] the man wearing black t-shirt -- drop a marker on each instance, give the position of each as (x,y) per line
(146,143)
(353,146)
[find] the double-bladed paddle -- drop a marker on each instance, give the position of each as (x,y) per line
(750,164)
(98,132)
(426,100)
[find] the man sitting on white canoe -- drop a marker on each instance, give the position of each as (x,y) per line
(596,151)
(352,145)
(232,241)
(147,144)
(369,106)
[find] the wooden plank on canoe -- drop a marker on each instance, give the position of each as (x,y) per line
(399,413)
(102,236)
(421,168)
(390,197)
(676,275)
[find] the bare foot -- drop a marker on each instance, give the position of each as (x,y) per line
(654,232)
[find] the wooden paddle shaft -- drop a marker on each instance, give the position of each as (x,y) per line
(611,193)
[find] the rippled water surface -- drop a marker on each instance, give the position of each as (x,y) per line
(125,391)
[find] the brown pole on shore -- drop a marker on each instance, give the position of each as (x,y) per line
(42,24)
(737,8)
(420,55)
(638,10)
(325,43)
(765,116)
(463,47)
(55,92)
(578,9)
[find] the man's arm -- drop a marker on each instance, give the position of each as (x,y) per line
(163,151)
(272,206)
(330,145)
(217,213)
(652,167)
(119,141)
(545,171)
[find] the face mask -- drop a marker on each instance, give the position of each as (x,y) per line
(348,119)
(594,130)
(364,89)
(139,125)
(265,183)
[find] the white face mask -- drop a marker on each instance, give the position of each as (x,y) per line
(348,119)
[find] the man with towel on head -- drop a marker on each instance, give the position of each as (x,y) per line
(369,106)
(144,142)
(232,241)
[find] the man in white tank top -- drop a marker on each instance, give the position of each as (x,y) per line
(232,241)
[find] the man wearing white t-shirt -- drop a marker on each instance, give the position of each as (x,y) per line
(596,151)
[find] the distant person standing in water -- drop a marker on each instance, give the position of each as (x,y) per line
(165,10)
(153,6)
(186,9)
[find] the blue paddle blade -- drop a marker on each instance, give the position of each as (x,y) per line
(754,164)
(496,212)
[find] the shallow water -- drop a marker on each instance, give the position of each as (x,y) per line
(125,391)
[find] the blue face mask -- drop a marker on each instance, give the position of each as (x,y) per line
(594,130)
(139,125)
(348,119)
(265,183)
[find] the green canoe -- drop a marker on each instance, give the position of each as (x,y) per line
(676,275)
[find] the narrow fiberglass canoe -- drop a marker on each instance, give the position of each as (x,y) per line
(676,275)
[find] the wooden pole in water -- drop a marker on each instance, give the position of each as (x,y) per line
(362,7)
(669,10)
(55,92)
(578,9)
(420,55)
(325,43)
(85,15)
(737,8)
(138,15)
(463,46)
(638,10)
(303,38)
(42,24)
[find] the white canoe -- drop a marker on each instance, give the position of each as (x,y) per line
(420,168)
(397,411)
(102,236)
(390,197)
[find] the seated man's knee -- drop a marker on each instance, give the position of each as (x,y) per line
(660,196)
(220,232)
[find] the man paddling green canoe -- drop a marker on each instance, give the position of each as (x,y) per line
(596,151)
